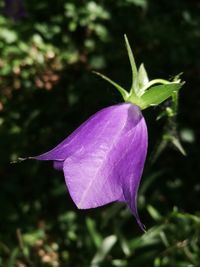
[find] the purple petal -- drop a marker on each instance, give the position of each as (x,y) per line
(103,159)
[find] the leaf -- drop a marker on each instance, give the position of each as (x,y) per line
(154,213)
(104,249)
(157,94)
(96,237)
(150,238)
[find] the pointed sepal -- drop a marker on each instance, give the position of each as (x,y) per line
(122,91)
(135,85)
(145,93)
(143,79)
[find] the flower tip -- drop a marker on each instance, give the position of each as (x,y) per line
(141,225)
(18,160)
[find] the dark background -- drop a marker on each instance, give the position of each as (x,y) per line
(48,50)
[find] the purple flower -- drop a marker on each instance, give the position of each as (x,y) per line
(104,158)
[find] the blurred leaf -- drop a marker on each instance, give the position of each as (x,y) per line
(32,237)
(141,3)
(154,213)
(8,36)
(103,250)
(96,237)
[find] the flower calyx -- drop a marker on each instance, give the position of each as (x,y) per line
(144,92)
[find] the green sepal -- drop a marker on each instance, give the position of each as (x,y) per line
(155,95)
(143,79)
(122,91)
(135,85)
(145,93)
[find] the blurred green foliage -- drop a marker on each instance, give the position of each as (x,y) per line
(47,90)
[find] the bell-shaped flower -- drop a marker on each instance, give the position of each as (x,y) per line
(104,158)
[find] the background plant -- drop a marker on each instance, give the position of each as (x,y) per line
(47,89)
